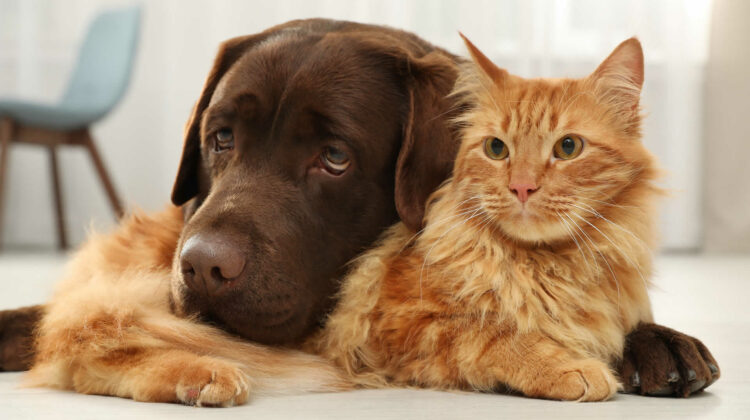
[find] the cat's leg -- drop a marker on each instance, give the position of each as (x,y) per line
(17,337)
(660,361)
(539,367)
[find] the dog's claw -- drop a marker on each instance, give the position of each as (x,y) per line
(674,377)
(635,380)
(713,368)
(697,386)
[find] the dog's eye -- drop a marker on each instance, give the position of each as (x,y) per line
(335,160)
(223,140)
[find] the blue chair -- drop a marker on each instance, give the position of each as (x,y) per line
(98,83)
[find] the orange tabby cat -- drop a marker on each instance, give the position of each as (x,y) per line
(536,255)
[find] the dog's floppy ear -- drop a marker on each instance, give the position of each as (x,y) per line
(187,183)
(429,144)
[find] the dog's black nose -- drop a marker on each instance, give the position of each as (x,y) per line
(209,262)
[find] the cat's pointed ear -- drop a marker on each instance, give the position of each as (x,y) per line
(488,67)
(620,76)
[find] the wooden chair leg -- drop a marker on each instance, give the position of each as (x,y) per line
(6,132)
(59,210)
(88,142)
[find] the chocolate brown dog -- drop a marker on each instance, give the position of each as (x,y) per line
(308,140)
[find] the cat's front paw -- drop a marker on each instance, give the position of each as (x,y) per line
(659,361)
(213,383)
(585,380)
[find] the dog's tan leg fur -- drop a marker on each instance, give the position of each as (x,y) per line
(163,375)
(108,330)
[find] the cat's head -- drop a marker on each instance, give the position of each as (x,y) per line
(541,154)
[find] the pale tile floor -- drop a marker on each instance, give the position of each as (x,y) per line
(704,296)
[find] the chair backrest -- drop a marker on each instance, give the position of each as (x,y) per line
(105,62)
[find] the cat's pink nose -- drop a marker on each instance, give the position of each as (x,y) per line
(523,190)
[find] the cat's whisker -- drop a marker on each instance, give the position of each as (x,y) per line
(445,219)
(607,203)
(493,226)
(614,277)
(427,255)
(617,225)
(591,210)
(437,223)
(453,208)
(580,236)
(606,262)
(450,109)
(618,248)
(484,222)
(573,237)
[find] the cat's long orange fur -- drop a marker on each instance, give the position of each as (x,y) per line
(540,296)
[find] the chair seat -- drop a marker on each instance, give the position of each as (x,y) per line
(97,84)
(53,117)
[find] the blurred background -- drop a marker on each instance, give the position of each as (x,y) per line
(695,95)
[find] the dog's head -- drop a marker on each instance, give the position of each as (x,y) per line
(308,140)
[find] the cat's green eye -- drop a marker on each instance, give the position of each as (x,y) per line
(495,148)
(568,147)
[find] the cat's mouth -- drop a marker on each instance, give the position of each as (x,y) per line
(533,223)
(529,211)
(527,214)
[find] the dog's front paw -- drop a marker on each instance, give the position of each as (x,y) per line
(660,361)
(17,337)
(584,380)
(212,383)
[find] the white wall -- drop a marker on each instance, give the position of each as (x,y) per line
(727,145)
(141,139)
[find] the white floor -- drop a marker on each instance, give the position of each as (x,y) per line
(708,297)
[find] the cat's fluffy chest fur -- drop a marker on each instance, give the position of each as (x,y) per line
(584,295)
(417,313)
